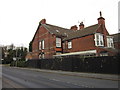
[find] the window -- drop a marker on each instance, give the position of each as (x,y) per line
(43,44)
(110,41)
(99,39)
(40,45)
(58,42)
(69,44)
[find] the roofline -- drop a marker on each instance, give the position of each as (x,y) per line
(79,37)
(85,35)
(58,26)
(36,32)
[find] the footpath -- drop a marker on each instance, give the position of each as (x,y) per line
(112,77)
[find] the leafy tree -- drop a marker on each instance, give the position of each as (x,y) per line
(18,53)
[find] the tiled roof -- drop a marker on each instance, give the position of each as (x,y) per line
(83,32)
(71,34)
(58,31)
(68,34)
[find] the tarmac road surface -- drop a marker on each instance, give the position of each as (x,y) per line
(27,78)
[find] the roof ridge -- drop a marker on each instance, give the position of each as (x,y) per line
(90,26)
(83,32)
(58,26)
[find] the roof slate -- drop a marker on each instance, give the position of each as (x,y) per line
(58,31)
(83,32)
(70,34)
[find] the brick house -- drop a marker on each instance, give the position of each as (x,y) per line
(52,41)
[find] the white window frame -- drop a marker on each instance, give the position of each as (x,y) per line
(69,44)
(39,45)
(43,44)
(99,40)
(110,42)
(58,42)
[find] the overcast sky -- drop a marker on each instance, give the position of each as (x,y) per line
(19,19)
(119,16)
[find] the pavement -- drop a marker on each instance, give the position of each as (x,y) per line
(112,77)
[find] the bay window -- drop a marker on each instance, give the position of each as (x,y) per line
(110,41)
(99,39)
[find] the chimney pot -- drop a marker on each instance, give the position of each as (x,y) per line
(43,21)
(74,27)
(81,26)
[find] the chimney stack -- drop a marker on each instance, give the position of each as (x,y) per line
(74,27)
(81,26)
(43,21)
(101,20)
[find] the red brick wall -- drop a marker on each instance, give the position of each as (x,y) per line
(81,44)
(49,40)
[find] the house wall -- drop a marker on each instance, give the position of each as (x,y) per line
(102,29)
(117,45)
(49,42)
(88,43)
(81,44)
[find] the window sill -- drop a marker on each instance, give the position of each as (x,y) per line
(58,47)
(69,48)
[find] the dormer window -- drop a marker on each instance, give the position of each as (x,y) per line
(58,42)
(99,39)
(110,42)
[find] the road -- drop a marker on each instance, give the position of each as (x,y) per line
(26,78)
